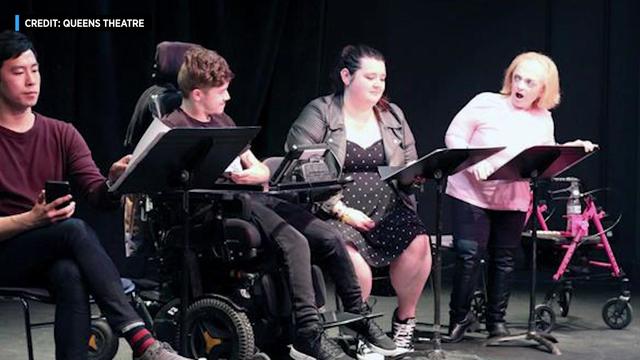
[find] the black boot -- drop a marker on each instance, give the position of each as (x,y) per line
(465,279)
(457,329)
(501,269)
(498,329)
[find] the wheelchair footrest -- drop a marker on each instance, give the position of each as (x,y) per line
(333,318)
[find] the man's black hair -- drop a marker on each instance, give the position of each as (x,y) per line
(12,44)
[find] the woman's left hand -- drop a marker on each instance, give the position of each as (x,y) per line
(586,144)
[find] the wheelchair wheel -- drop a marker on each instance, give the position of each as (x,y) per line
(103,344)
(167,323)
(479,305)
(260,356)
(545,318)
(215,330)
(617,313)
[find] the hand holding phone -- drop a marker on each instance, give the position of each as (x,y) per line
(56,189)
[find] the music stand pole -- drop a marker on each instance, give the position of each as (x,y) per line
(185,287)
(438,165)
(437,353)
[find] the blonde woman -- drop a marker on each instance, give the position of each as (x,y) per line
(488,216)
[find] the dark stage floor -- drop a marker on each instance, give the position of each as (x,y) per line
(581,335)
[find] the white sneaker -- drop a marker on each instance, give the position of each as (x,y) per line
(403,333)
(364,352)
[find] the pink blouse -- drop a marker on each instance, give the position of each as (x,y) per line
(491,120)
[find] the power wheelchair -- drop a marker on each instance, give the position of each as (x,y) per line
(241,303)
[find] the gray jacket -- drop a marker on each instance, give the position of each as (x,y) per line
(321,121)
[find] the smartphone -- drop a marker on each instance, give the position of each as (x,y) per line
(56,189)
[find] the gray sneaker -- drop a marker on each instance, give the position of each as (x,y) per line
(160,351)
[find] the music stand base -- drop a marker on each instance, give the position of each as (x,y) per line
(434,355)
(546,340)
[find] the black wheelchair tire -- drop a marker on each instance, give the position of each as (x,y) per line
(103,343)
(225,332)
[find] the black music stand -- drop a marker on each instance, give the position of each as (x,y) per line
(437,165)
(533,164)
(181,160)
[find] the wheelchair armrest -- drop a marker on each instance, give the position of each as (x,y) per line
(240,242)
(236,206)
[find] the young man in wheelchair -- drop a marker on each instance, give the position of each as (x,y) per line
(204,78)
(40,244)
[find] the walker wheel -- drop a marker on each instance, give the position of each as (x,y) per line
(545,318)
(617,313)
(479,305)
(564,301)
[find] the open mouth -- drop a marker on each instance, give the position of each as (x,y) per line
(519,95)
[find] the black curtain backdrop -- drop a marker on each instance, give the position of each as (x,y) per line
(440,53)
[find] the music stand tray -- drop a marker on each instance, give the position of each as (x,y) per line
(437,165)
(533,164)
(162,164)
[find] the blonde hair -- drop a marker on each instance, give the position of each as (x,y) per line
(550,96)
(202,68)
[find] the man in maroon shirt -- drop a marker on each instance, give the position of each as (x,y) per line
(40,244)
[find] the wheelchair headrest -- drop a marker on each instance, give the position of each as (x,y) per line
(169,58)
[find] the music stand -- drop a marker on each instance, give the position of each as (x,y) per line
(437,165)
(533,164)
(181,160)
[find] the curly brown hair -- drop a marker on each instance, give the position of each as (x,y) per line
(202,68)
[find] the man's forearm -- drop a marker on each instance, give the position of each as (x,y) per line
(13,225)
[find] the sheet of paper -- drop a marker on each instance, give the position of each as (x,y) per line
(154,130)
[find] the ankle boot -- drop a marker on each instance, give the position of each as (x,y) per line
(458,329)
(498,329)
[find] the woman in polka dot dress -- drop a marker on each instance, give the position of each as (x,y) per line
(378,219)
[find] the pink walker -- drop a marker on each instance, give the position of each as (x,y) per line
(582,212)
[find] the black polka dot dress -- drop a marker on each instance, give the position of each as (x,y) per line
(396,224)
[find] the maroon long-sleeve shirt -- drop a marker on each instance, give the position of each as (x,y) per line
(50,150)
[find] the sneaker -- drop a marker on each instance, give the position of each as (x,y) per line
(364,352)
(403,332)
(160,351)
(374,336)
(306,345)
(329,350)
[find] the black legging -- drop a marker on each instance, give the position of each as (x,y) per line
(294,251)
(68,259)
(327,249)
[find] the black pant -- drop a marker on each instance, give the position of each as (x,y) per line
(327,249)
(477,233)
(294,251)
(68,259)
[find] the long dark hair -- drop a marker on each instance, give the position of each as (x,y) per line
(349,59)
